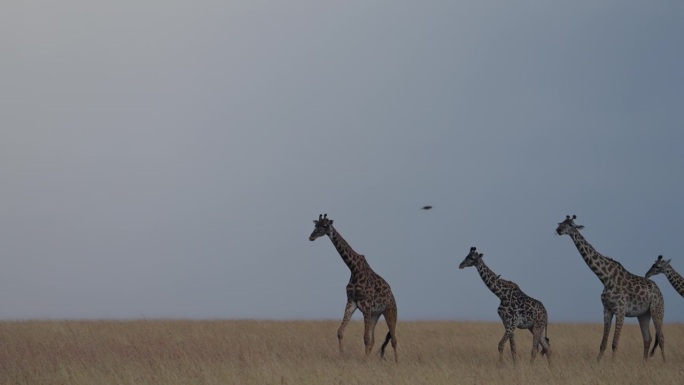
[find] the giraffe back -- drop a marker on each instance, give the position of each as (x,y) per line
(520,309)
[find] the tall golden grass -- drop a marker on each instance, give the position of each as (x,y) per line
(247,352)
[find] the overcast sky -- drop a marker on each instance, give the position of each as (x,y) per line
(167,158)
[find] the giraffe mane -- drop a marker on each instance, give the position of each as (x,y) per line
(615,261)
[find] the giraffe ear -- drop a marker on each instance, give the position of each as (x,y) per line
(667,262)
(315,222)
(579,227)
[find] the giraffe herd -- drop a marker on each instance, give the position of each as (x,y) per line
(624,295)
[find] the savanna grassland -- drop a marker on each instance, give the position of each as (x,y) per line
(171,352)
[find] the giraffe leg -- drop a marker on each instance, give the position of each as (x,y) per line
(658,312)
(502,344)
(536,341)
(366,330)
(348,311)
(511,340)
(644,323)
(391,319)
(508,336)
(369,333)
(607,320)
(619,320)
(543,342)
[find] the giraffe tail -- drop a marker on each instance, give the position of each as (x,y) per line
(546,337)
(657,342)
(388,337)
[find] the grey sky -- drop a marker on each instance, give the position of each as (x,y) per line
(166,158)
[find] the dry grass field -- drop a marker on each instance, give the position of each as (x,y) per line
(305,352)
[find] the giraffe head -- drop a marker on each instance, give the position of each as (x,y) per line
(658,267)
(568,225)
(323,227)
(470,259)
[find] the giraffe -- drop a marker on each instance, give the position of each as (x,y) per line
(676,280)
(366,291)
(663,266)
(516,309)
(624,294)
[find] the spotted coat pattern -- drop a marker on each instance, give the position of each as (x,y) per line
(366,290)
(517,309)
(624,294)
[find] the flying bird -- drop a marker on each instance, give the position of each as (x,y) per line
(426,207)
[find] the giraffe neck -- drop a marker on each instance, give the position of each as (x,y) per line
(603,267)
(675,279)
(493,282)
(355,261)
